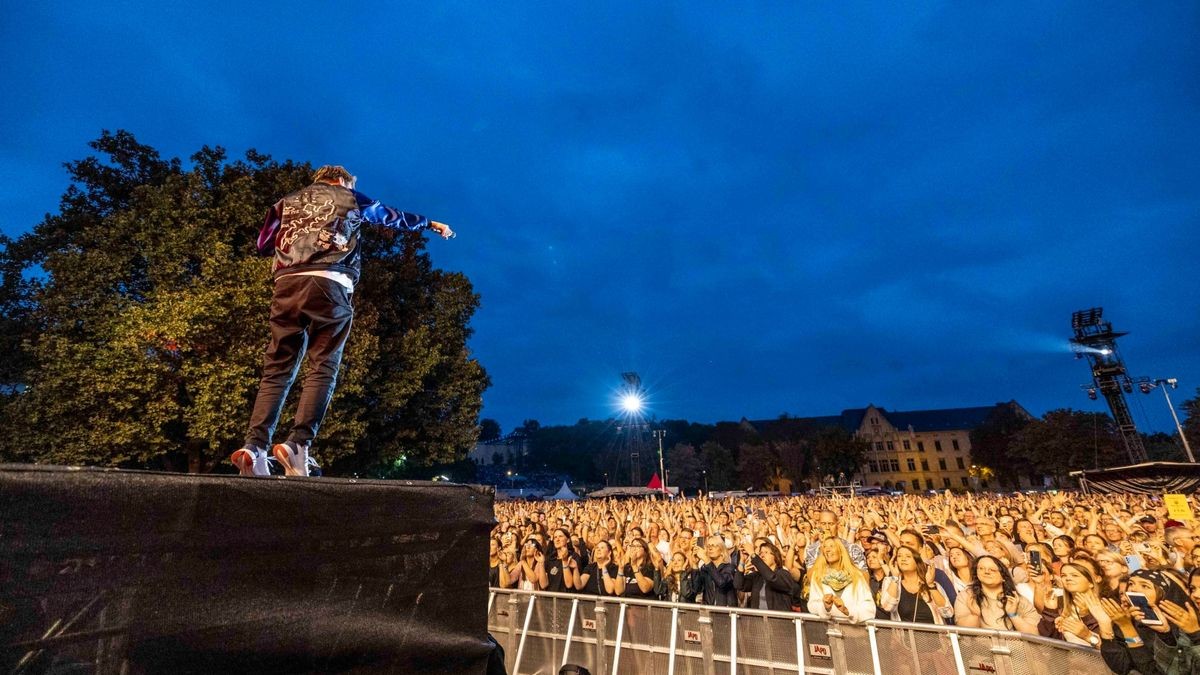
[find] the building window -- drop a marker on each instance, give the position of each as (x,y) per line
(920,446)
(891,446)
(959,461)
(874,466)
(875,420)
(924,465)
(928,483)
(912,465)
(896,465)
(937,445)
(942,463)
(907,445)
(946,483)
(966,482)
(878,446)
(954,443)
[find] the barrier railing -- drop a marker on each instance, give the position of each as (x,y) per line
(541,632)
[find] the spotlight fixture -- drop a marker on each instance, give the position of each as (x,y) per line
(1092,394)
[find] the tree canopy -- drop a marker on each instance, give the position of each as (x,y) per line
(135,318)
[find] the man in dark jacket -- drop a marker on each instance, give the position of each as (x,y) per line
(314,235)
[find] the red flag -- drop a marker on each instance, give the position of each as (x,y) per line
(655,483)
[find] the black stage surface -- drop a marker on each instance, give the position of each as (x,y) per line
(106,571)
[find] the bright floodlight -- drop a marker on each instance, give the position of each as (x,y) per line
(631,403)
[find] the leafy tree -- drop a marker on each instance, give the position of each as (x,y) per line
(756,465)
(1066,440)
(717,460)
(991,443)
(794,456)
(142,316)
(835,451)
(489,430)
(1191,421)
(1162,447)
(684,465)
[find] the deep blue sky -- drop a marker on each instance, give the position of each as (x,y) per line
(761,210)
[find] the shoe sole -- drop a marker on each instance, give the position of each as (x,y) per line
(244,462)
(284,455)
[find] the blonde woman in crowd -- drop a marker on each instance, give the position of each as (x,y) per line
(837,588)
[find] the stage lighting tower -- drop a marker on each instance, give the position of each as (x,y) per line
(632,399)
(1095,340)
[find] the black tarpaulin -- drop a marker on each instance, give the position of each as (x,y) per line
(1148,478)
(117,571)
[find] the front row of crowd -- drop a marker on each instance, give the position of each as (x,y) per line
(1110,574)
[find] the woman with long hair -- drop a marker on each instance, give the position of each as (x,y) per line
(561,563)
(498,562)
(762,576)
(1024,533)
(637,575)
(992,601)
(914,596)
(1062,546)
(1071,617)
(1114,575)
(531,573)
(680,578)
(836,588)
(600,575)
(961,562)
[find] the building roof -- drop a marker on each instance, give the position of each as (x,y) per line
(945,419)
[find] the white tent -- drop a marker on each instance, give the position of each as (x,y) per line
(564,492)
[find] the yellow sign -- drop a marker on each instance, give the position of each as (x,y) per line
(1178,507)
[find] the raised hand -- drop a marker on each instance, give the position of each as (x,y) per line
(1070,624)
(1184,618)
(1117,613)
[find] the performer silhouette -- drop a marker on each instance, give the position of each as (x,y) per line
(314,235)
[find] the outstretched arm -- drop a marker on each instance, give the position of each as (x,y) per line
(379,214)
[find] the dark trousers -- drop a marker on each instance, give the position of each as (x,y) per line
(312,314)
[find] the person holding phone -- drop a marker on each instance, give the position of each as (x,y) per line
(715,578)
(1161,630)
(764,579)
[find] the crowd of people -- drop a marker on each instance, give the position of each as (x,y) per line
(1108,572)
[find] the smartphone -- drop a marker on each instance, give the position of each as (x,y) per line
(1035,558)
(931,529)
(1134,562)
(1139,600)
(700,542)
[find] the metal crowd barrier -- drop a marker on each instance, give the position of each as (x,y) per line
(541,632)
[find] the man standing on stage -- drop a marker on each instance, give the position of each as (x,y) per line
(314,233)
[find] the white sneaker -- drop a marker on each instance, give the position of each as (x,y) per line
(293,457)
(250,461)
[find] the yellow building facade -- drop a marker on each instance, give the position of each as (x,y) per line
(922,450)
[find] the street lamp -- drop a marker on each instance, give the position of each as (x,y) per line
(659,433)
(704,473)
(1147,385)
